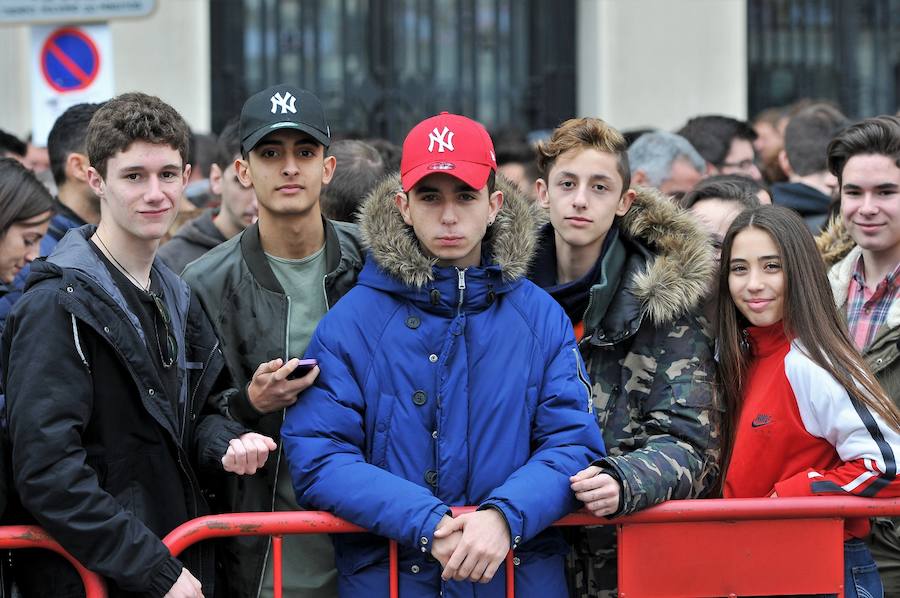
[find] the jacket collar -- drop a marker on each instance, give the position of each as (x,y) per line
(509,245)
(255,257)
(840,276)
(73,253)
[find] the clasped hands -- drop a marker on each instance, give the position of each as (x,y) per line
(471,546)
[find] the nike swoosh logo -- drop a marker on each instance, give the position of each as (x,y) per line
(761,420)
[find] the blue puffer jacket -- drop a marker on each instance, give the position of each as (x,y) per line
(442,387)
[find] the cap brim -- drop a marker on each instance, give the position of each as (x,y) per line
(256,136)
(472,174)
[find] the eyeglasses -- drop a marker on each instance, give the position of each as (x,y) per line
(167,358)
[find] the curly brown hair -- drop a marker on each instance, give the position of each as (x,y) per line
(134,117)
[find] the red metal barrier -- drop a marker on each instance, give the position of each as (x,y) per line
(28,536)
(691,548)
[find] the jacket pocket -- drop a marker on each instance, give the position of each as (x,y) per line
(383,413)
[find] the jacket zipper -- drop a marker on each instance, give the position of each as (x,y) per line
(287,356)
(265,563)
(325,291)
(180,449)
(462,289)
(287,331)
(189,404)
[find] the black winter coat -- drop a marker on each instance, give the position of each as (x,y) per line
(103,460)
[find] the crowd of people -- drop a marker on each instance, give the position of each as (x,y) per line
(601,321)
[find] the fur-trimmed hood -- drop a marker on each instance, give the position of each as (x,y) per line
(834,242)
(509,244)
(678,275)
(657,266)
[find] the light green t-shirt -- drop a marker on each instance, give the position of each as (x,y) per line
(308,566)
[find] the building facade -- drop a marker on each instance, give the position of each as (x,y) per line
(381,65)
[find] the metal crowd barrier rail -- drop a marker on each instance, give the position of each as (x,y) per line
(680,549)
(29,536)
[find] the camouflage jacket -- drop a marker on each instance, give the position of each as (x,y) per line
(649,361)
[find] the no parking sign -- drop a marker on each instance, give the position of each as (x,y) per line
(71,65)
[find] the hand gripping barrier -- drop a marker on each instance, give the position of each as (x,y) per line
(29,536)
(680,549)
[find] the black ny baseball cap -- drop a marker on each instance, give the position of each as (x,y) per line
(282,107)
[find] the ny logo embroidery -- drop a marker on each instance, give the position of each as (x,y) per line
(439,138)
(287,103)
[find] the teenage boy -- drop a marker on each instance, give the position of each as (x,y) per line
(864,248)
(112,373)
(412,412)
(237,209)
(265,290)
(630,269)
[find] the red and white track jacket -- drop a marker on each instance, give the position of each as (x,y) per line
(801,434)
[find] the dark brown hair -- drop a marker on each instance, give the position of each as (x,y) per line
(134,117)
(810,316)
(879,135)
(726,187)
(22,195)
(585,133)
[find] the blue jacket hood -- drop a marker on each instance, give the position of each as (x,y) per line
(509,243)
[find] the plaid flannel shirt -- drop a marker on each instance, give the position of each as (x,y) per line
(868,309)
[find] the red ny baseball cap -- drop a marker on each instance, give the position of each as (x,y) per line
(449,144)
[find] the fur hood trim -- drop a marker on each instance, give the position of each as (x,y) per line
(510,242)
(834,242)
(678,278)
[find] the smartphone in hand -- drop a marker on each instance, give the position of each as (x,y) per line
(302,369)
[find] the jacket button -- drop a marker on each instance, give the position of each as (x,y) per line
(414,568)
(69,289)
(517,539)
(151,392)
(517,561)
(433,358)
(423,540)
(431,478)
(879,360)
(419,398)
(412,322)
(434,435)
(106,329)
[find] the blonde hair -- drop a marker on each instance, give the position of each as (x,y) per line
(585,133)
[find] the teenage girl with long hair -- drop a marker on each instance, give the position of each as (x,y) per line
(804,414)
(25,210)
